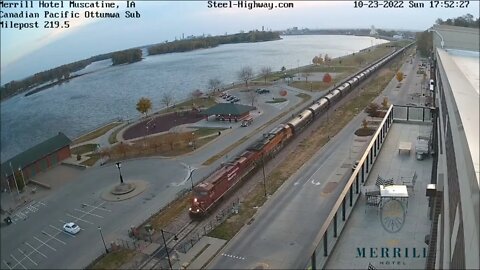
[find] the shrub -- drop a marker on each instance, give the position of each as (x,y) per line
(385,103)
(327,78)
(372,109)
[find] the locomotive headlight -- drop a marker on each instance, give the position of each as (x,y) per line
(198,210)
(194,200)
(190,209)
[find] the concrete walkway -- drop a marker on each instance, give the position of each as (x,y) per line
(368,237)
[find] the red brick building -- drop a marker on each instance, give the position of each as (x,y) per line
(37,159)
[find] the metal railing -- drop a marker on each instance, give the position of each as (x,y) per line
(334,223)
(412,113)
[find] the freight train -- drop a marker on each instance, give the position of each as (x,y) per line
(209,192)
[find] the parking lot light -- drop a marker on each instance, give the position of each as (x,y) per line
(119,165)
(103,240)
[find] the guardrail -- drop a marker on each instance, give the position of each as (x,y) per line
(412,113)
(336,220)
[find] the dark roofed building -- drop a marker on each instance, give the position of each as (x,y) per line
(229,111)
(36,159)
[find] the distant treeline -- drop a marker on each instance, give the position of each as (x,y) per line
(127,56)
(464,21)
(62,73)
(208,42)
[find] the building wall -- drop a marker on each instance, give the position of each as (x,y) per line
(43,164)
(460,224)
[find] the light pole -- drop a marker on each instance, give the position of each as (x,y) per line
(14,179)
(8,183)
(263,171)
(193,140)
(23,178)
(103,240)
(191,175)
(119,165)
(166,248)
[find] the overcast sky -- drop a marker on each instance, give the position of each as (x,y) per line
(27,51)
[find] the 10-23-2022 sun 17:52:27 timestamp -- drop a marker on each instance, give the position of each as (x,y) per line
(411,4)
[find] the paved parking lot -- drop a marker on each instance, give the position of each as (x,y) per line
(50,238)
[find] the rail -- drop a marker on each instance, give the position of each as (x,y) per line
(321,246)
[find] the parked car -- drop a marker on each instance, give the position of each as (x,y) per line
(230,98)
(247,121)
(71,227)
(262,91)
(236,99)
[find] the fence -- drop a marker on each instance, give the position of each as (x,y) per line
(206,228)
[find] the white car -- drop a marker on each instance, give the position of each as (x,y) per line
(71,228)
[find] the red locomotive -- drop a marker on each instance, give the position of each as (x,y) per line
(207,193)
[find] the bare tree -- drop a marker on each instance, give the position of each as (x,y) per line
(167,99)
(252,96)
(214,84)
(245,74)
(265,72)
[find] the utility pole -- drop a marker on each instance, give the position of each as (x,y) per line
(263,170)
(166,249)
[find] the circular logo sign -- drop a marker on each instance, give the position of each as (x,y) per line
(392,215)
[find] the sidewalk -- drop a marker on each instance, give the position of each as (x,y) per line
(200,254)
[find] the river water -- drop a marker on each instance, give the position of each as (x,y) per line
(110,92)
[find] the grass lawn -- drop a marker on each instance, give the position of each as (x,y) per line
(168,144)
(82,149)
(97,133)
(199,102)
(113,136)
(276,100)
(92,160)
(114,259)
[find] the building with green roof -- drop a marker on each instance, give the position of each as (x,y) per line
(229,111)
(38,158)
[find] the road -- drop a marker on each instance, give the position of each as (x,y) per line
(281,235)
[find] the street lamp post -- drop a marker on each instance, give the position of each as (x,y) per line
(103,240)
(193,140)
(23,178)
(263,171)
(14,179)
(191,175)
(119,165)
(8,184)
(166,249)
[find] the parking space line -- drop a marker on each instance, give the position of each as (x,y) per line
(18,262)
(77,218)
(7,264)
(44,243)
(51,236)
(98,207)
(42,203)
(32,208)
(88,213)
(26,243)
(26,256)
(21,215)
